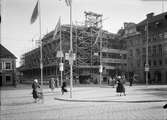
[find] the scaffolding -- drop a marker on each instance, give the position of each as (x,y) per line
(86,46)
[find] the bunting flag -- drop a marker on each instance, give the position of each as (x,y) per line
(57,28)
(35,14)
(68,2)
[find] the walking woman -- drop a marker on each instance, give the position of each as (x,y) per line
(120,87)
(52,84)
(63,88)
(35,87)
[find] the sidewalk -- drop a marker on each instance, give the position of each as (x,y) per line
(96,93)
(153,93)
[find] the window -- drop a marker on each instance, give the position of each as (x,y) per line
(166,61)
(155,62)
(138,52)
(124,56)
(165,34)
(149,62)
(160,62)
(0,65)
(144,51)
(160,35)
(154,50)
(138,62)
(149,51)
(166,75)
(8,66)
(8,79)
(160,50)
(131,53)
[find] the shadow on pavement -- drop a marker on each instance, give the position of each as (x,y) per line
(17,103)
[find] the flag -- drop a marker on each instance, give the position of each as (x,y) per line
(68,2)
(34,14)
(57,28)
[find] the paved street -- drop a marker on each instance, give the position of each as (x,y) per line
(87,103)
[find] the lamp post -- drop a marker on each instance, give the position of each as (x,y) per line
(71,53)
(101,66)
(147,65)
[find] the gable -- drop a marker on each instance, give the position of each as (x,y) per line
(5,53)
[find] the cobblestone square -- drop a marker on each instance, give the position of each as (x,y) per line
(87,103)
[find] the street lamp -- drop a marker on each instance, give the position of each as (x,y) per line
(147,65)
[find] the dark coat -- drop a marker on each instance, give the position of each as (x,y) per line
(63,87)
(35,92)
(120,87)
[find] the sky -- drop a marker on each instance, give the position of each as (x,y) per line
(19,36)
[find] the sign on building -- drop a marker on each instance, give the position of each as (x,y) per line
(60,54)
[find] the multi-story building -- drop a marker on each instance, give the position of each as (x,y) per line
(138,41)
(86,65)
(7,67)
(92,46)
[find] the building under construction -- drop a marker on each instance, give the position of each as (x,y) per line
(93,47)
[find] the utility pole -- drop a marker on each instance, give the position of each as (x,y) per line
(71,53)
(147,65)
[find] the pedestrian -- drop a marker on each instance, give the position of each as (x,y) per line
(112,81)
(108,80)
(52,84)
(131,79)
(165,106)
(120,87)
(63,88)
(35,86)
(57,82)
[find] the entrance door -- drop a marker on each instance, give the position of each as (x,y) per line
(0,80)
(166,77)
(157,76)
(8,80)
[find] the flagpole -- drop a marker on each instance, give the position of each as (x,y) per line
(71,50)
(41,60)
(61,72)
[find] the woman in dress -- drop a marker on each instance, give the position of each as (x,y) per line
(35,86)
(120,87)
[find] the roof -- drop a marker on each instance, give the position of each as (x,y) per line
(5,53)
(154,19)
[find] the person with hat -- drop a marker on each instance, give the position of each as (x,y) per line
(35,86)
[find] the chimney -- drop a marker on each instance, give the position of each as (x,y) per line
(150,15)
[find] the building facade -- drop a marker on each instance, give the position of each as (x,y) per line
(150,34)
(87,50)
(7,67)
